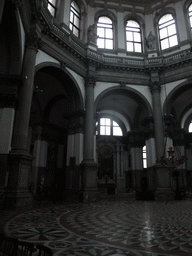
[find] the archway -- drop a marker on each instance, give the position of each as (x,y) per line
(56,99)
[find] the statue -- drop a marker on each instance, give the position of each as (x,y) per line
(150,41)
(91,34)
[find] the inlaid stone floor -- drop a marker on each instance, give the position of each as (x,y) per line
(119,227)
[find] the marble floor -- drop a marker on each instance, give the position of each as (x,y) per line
(107,227)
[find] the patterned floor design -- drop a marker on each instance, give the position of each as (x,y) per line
(123,227)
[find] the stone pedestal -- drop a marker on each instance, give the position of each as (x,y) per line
(18,194)
(120,184)
(164,190)
(89,184)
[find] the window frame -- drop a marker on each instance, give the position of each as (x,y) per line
(165,25)
(52,6)
(187,19)
(105,31)
(134,42)
(111,126)
(113,17)
(158,16)
(72,25)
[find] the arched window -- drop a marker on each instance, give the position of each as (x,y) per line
(167,32)
(107,126)
(105,33)
(75,19)
(133,36)
(51,5)
(190,16)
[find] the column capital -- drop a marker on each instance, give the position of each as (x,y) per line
(155,87)
(17,3)
(33,40)
(90,81)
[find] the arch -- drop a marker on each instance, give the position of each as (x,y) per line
(106,13)
(131,93)
(181,89)
(65,72)
(134,17)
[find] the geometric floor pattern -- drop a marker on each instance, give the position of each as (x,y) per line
(123,227)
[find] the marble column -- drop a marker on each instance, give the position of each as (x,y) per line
(20,161)
(89,167)
(2,2)
(163,174)
(158,120)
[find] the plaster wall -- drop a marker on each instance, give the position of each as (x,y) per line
(144,90)
(79,81)
(102,86)
(44,57)
(167,88)
(121,30)
(149,26)
(66,17)
(182,32)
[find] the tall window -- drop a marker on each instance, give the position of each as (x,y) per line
(133,36)
(167,32)
(107,126)
(51,5)
(75,19)
(105,33)
(190,16)
(144,157)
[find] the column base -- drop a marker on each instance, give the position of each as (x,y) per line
(164,194)
(18,199)
(17,192)
(89,184)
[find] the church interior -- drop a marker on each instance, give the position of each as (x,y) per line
(96,125)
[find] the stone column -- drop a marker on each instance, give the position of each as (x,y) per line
(158,120)
(20,161)
(19,142)
(136,142)
(2,2)
(162,174)
(89,167)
